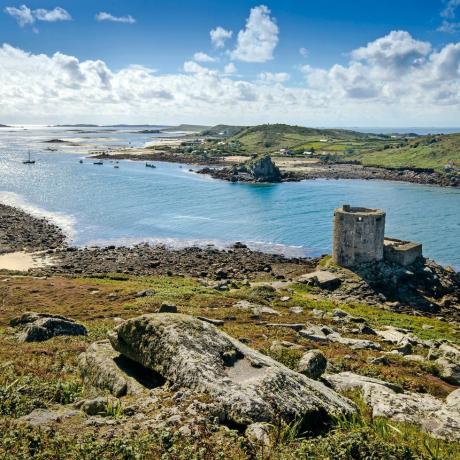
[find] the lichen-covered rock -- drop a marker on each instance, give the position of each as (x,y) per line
(96,406)
(345,381)
(439,418)
(104,368)
(248,386)
(313,364)
(449,370)
(432,414)
(37,327)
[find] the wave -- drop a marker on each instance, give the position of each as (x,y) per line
(178,243)
(65,221)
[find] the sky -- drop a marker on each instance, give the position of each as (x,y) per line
(312,63)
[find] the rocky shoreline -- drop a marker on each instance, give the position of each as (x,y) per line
(224,169)
(341,171)
(20,231)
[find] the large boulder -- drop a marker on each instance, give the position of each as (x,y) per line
(439,418)
(37,327)
(104,368)
(248,386)
(263,169)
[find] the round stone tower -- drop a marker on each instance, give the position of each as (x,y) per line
(358,235)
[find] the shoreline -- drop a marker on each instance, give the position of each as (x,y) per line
(33,234)
(334,171)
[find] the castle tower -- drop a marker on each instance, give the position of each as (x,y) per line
(358,235)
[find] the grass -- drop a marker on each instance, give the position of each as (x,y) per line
(40,375)
(432,152)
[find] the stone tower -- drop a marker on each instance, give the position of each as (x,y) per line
(358,235)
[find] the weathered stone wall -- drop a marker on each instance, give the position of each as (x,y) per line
(401,252)
(358,235)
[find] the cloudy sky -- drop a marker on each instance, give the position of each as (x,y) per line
(328,63)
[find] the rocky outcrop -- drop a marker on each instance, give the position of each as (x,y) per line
(262,169)
(38,327)
(104,368)
(248,387)
(312,364)
(258,169)
(439,418)
(326,334)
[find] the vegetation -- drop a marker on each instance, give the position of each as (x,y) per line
(432,152)
(41,375)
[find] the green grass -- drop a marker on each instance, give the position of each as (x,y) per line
(432,152)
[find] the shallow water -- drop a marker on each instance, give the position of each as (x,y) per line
(100,204)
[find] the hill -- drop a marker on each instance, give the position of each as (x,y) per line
(433,152)
(279,136)
(186,128)
(4,126)
(223,130)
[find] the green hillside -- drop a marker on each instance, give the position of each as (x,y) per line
(222,130)
(278,136)
(424,152)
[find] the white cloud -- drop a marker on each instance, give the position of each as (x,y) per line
(449,10)
(219,36)
(257,41)
(25,16)
(103,16)
(269,77)
(395,80)
(58,14)
(194,67)
(303,52)
(203,57)
(449,27)
(230,69)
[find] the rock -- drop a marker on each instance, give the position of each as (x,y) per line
(96,406)
(453,400)
(404,348)
(433,415)
(366,329)
(263,169)
(247,386)
(45,417)
(285,299)
(379,360)
(325,334)
(416,358)
(283,345)
(313,364)
(395,335)
(296,310)
(167,308)
(259,433)
(449,370)
(345,381)
(38,327)
(145,293)
(104,368)
(295,327)
(321,279)
(262,310)
(338,313)
(216,322)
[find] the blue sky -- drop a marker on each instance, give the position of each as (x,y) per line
(301,52)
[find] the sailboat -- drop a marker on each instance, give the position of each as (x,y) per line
(29,161)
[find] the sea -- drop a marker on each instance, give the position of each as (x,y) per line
(172,205)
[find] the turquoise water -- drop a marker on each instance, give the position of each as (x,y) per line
(100,204)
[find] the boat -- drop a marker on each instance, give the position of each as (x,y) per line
(150,165)
(98,163)
(29,161)
(116,166)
